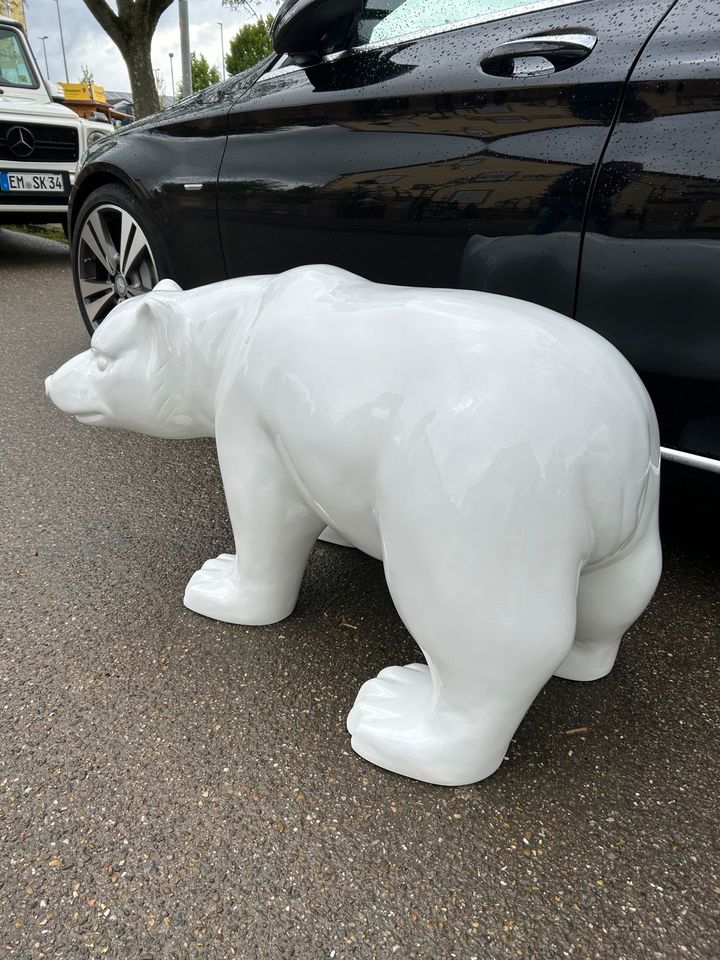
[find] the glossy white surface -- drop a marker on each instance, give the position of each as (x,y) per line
(501,460)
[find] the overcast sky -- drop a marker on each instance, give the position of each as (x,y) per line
(86,43)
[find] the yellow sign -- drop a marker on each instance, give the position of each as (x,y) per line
(84,91)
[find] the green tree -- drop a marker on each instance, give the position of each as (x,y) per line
(203,74)
(87,74)
(131,29)
(249,45)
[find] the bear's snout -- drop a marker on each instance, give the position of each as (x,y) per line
(71,388)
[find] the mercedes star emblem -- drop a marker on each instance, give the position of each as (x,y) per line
(20,141)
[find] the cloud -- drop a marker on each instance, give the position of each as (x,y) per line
(86,44)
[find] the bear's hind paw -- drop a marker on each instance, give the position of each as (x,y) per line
(395,724)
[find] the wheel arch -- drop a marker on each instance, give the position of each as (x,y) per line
(97,178)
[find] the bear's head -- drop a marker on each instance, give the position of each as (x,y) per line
(137,373)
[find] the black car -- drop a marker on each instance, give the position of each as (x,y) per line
(566,153)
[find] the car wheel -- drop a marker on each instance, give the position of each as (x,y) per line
(116,253)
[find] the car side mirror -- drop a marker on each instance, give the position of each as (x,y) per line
(55,91)
(308,30)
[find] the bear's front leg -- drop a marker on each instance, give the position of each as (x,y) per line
(274,533)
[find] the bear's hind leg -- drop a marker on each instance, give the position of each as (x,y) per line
(610,599)
(494,622)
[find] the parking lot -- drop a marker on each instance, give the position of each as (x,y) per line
(175,787)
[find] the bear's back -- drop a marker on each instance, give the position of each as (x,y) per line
(347,337)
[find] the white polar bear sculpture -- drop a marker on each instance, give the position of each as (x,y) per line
(500,459)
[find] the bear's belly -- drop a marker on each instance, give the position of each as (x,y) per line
(344,498)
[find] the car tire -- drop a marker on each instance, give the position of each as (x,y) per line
(117,252)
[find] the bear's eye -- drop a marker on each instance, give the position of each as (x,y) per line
(102,362)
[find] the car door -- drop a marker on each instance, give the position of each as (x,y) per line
(650,280)
(461,154)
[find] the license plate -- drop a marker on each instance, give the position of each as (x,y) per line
(32,182)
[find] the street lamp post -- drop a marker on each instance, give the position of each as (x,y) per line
(47,72)
(172,78)
(62,42)
(222,47)
(185,48)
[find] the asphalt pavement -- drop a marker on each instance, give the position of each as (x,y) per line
(172,787)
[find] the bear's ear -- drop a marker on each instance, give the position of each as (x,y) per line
(167,286)
(149,311)
(158,316)
(134,321)
(146,310)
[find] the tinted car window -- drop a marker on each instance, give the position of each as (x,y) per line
(391,19)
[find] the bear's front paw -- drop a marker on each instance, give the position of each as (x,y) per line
(218,592)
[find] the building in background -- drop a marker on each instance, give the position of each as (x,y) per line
(122,107)
(121,102)
(14,9)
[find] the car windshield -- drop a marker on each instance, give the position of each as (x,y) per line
(386,19)
(15,69)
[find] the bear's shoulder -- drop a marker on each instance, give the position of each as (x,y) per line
(307,284)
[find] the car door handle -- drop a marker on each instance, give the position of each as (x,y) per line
(562,50)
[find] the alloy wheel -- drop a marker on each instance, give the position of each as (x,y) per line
(114,261)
